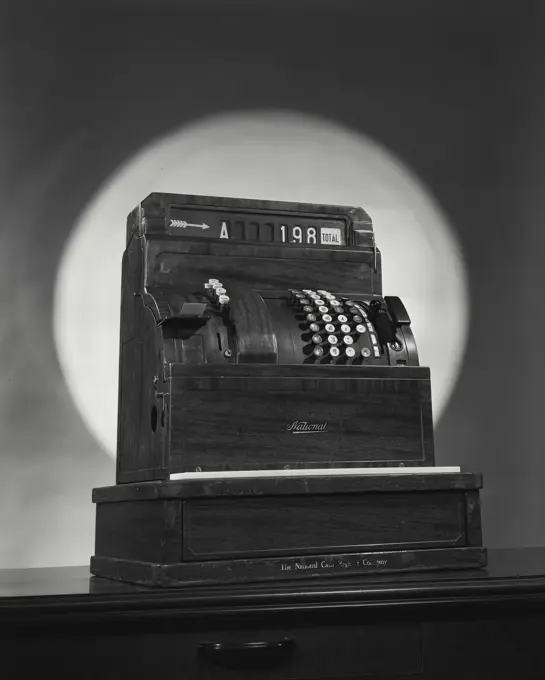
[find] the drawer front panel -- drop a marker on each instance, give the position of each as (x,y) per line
(246,527)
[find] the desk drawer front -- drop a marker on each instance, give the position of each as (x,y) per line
(323,652)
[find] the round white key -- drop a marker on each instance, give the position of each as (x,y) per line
(332,339)
(361,328)
(334,351)
(330,328)
(343,318)
(348,340)
(220,291)
(327,318)
(345,328)
(318,301)
(323,309)
(223,299)
(350,352)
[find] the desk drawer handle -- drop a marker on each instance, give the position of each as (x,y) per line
(247,654)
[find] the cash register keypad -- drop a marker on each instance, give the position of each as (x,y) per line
(337,326)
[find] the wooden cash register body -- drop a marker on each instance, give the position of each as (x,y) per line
(231,388)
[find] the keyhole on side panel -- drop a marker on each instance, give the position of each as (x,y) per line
(154,418)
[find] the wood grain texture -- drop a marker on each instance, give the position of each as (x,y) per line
(288,486)
(294,525)
(150,531)
(286,568)
(474,532)
(254,529)
(141,447)
(242,423)
(254,272)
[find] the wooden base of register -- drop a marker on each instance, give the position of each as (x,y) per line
(229,530)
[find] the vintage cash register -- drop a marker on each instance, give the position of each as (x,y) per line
(274,421)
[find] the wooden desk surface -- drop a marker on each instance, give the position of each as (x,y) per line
(486,623)
(26,593)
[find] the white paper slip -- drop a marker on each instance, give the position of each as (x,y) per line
(316,472)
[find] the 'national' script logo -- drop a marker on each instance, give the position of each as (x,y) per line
(304,427)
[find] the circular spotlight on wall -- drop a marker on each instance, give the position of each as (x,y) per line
(272,155)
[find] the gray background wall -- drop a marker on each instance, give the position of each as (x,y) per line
(455,89)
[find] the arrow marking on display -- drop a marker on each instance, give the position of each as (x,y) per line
(182,224)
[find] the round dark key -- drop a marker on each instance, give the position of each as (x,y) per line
(366,352)
(308,309)
(317,339)
(338,310)
(334,351)
(304,301)
(318,351)
(349,303)
(311,317)
(314,327)
(357,318)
